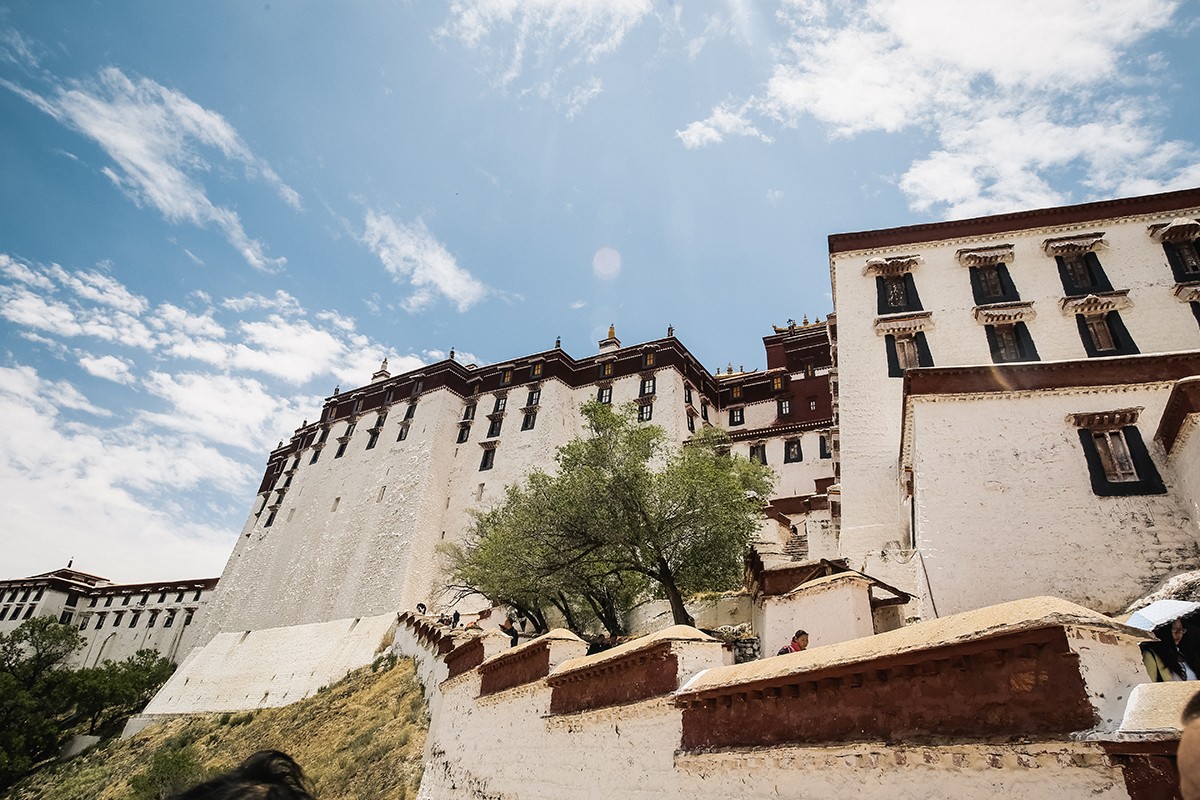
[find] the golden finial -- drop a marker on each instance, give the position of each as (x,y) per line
(612,331)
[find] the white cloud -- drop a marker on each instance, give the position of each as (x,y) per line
(1013,93)
(155,137)
(111,368)
(774,196)
(580,96)
(281,302)
(410,252)
(578,304)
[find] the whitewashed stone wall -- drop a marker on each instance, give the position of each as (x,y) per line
(1008,511)
(832,609)
(874,521)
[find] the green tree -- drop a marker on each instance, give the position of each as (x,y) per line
(116,689)
(623,512)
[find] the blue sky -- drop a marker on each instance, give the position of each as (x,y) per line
(214,213)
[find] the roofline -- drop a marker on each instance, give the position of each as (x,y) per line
(1015,221)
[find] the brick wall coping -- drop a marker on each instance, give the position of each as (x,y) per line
(1006,618)
(525,648)
(675,633)
(1154,709)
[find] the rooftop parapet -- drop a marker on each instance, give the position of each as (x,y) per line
(529,661)
(1037,667)
(648,667)
(478,647)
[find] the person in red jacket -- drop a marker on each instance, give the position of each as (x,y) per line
(799,642)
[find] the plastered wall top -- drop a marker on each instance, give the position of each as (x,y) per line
(675,633)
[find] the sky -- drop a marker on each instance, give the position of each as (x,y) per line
(211,214)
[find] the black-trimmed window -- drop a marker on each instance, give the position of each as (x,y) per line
(529,420)
(897,294)
(535,397)
(905,352)
(777,383)
(792,451)
(271,518)
(1105,335)
(1082,274)
(737,416)
(704,411)
(410,412)
(469,411)
(133,619)
(344,440)
(99,620)
(812,404)
(494,428)
(736,393)
(606,369)
(403,434)
(170,620)
(1195,310)
(687,395)
(645,412)
(1184,258)
(691,423)
(418,387)
(647,387)
(535,370)
(501,402)
(1009,343)
(65,618)
(823,447)
(1118,462)
(758,452)
(604,395)
(785,407)
(152,620)
(648,358)
(464,433)
(375,431)
(506,377)
(489,458)
(991,283)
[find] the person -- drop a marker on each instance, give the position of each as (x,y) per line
(1165,659)
(454,618)
(265,774)
(799,642)
(513,634)
(1188,754)
(421,609)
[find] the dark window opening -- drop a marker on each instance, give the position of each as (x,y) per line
(897,294)
(992,284)
(1118,462)
(645,412)
(1184,258)
(785,407)
(758,452)
(1105,335)
(494,428)
(737,416)
(905,352)
(1010,343)
(647,387)
(1082,274)
(792,451)
(464,433)
(604,395)
(529,421)
(489,458)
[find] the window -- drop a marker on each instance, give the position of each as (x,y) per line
(824,446)
(737,416)
(108,601)
(990,283)
(1184,258)
(648,359)
(905,351)
(785,407)
(403,434)
(1117,460)
(83,621)
(506,376)
(3,612)
(606,369)
(812,404)
(604,395)
(162,597)
(341,451)
(41,589)
(133,619)
(792,452)
(645,412)
(153,618)
(501,402)
(687,395)
(529,421)
(691,423)
(179,598)
(1081,274)
(344,440)
(1105,335)
(196,598)
(410,412)
(418,387)
(777,383)
(535,371)
(494,428)
(29,612)
(896,294)
(1010,343)
(758,452)
(704,411)
(378,427)
(90,605)
(170,620)
(736,393)
(187,617)
(117,618)
(316,454)
(469,411)
(271,518)
(535,397)
(489,458)
(100,620)
(647,387)
(124,600)
(464,433)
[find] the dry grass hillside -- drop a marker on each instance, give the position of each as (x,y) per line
(361,738)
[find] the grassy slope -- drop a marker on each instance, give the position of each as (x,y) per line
(362,738)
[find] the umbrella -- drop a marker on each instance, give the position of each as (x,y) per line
(1160,612)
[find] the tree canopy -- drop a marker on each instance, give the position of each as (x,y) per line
(624,515)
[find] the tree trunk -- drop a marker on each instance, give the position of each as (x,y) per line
(678,610)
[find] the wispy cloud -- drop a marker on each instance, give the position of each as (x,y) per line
(161,143)
(111,368)
(1076,95)
(412,254)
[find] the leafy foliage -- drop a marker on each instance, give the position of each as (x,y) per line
(624,514)
(41,698)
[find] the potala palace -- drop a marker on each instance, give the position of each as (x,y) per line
(987,450)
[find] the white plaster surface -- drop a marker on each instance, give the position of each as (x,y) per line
(1155,708)
(272,667)
(831,609)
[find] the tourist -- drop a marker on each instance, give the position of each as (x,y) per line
(1168,659)
(513,634)
(1188,755)
(421,609)
(267,773)
(799,642)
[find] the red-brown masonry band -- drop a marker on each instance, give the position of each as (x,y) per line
(1149,768)
(465,657)
(515,669)
(1016,685)
(637,676)
(1184,401)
